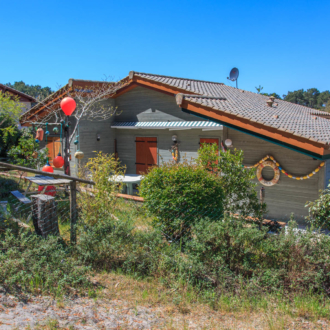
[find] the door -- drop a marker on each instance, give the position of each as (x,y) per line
(54,147)
(146,153)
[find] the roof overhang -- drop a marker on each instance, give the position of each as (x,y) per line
(52,102)
(171,125)
(288,140)
(23,97)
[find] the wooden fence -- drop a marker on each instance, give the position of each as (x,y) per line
(73,190)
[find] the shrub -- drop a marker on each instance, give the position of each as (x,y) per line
(177,195)
(110,244)
(6,186)
(28,153)
(240,195)
(225,253)
(319,211)
(99,204)
(224,248)
(34,264)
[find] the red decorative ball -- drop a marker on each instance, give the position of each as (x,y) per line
(58,161)
(50,190)
(68,105)
(47,168)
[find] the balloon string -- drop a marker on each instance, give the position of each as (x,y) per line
(61,139)
(46,141)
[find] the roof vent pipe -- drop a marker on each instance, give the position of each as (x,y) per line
(269,102)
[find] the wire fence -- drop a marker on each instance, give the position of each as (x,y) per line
(49,207)
(40,207)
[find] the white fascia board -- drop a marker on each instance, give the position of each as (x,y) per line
(179,128)
(213,129)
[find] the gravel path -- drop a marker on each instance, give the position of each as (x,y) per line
(81,313)
(87,313)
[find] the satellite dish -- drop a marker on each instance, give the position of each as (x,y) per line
(233,75)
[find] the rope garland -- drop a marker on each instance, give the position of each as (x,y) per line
(283,171)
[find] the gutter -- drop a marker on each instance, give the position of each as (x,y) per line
(262,137)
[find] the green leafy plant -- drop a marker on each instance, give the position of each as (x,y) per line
(37,265)
(177,195)
(7,185)
(28,153)
(240,195)
(319,211)
(10,107)
(98,203)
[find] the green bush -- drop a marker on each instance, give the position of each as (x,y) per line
(6,186)
(100,203)
(111,244)
(228,252)
(28,153)
(33,264)
(319,211)
(178,195)
(240,195)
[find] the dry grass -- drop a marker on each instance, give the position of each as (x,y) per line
(183,308)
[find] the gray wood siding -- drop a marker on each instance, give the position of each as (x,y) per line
(188,144)
(287,195)
(88,131)
(144,104)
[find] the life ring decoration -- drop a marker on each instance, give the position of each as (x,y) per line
(278,167)
(276,177)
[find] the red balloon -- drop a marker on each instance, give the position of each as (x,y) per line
(47,168)
(58,161)
(68,105)
(50,190)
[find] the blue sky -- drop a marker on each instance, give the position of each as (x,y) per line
(280,45)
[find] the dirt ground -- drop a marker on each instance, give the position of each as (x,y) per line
(37,312)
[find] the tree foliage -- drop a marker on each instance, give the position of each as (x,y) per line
(319,211)
(35,91)
(240,195)
(27,153)
(311,98)
(10,108)
(272,94)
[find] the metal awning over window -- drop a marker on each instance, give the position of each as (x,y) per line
(171,125)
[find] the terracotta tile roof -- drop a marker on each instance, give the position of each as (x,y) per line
(201,87)
(289,117)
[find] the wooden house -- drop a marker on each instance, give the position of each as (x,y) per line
(155,109)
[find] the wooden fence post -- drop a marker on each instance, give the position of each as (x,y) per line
(44,215)
(73,211)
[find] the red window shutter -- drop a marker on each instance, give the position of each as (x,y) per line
(146,153)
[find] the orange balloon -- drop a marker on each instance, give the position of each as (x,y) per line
(58,161)
(47,168)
